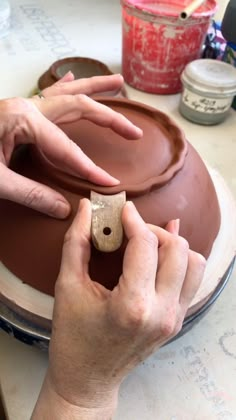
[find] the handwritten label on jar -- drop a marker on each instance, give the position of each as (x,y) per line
(207,105)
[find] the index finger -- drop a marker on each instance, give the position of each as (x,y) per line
(173,262)
(65,154)
(140,259)
(87,86)
(69,108)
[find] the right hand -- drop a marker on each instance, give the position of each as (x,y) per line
(99,335)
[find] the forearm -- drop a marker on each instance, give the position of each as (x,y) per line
(51,406)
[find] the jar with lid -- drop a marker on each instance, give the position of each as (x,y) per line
(209,87)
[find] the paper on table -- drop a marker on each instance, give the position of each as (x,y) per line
(42,32)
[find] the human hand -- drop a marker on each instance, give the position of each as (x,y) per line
(34,121)
(99,335)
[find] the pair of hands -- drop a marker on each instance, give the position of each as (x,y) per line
(98,335)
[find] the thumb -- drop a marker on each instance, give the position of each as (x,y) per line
(76,249)
(32,194)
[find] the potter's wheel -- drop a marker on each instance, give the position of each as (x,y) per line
(26,313)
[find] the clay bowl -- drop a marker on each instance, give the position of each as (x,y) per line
(161,173)
(81,67)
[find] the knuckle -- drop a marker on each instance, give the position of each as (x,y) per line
(61,285)
(58,86)
(169,323)
(183,243)
(179,242)
(83,103)
(82,98)
(177,329)
(149,237)
(137,317)
(199,261)
(37,198)
(73,236)
(34,197)
(178,325)
(167,328)
(68,236)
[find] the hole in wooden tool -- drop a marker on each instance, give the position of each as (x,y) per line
(107,231)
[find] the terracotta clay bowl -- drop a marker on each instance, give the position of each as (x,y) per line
(81,67)
(161,173)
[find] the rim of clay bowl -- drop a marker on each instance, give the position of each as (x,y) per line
(52,75)
(76,184)
(46,80)
(55,67)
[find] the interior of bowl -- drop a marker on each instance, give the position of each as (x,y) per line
(80,67)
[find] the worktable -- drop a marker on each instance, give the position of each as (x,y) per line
(193,378)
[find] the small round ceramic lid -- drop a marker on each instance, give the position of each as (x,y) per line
(210,76)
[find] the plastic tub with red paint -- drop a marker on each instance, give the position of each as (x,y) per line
(157,45)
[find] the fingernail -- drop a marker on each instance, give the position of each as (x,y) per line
(176,225)
(116,181)
(130,204)
(68,73)
(139,132)
(62,209)
(80,204)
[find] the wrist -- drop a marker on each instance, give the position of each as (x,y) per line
(51,405)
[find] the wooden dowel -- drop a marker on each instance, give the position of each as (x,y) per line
(190,9)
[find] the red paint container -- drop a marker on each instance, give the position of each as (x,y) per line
(157,45)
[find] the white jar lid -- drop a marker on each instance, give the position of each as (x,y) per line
(210,76)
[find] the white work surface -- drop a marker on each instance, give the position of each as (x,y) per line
(193,378)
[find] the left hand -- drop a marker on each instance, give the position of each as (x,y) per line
(34,121)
